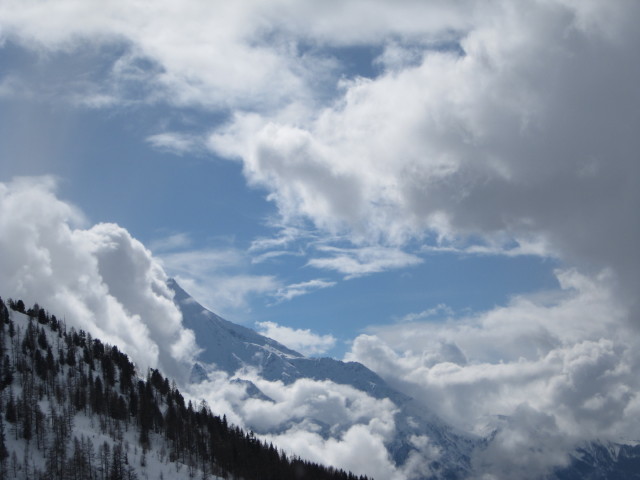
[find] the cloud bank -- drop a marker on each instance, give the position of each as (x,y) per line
(99,279)
(547,372)
(318,420)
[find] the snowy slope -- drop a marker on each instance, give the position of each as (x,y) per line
(231,347)
(27,459)
(227,345)
(72,406)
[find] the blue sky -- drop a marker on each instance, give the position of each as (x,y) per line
(106,166)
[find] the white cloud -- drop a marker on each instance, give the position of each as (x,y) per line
(520,134)
(357,450)
(299,339)
(171,242)
(263,257)
(174,142)
(321,421)
(484,120)
(356,262)
(181,55)
(303,288)
(99,279)
(497,244)
(201,262)
(287,234)
(560,366)
(220,278)
(440,310)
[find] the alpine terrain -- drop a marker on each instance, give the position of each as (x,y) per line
(245,355)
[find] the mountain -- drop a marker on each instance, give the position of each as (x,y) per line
(73,407)
(602,461)
(231,348)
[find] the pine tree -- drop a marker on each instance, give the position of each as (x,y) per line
(7,373)
(11,414)
(42,339)
(4,453)
(19,306)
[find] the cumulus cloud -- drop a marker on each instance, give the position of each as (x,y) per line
(522,132)
(298,339)
(483,120)
(322,421)
(99,279)
(559,366)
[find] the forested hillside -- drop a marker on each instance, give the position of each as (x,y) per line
(73,407)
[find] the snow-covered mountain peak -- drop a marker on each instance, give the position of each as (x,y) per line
(241,352)
(227,345)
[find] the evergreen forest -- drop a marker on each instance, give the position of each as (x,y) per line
(73,407)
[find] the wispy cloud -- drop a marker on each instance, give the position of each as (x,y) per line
(296,289)
(219,278)
(301,340)
(171,242)
(357,262)
(285,236)
(178,143)
(500,244)
(440,310)
(270,255)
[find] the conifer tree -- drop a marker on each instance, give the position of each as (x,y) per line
(4,453)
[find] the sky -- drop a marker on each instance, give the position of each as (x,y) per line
(446,192)
(102,117)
